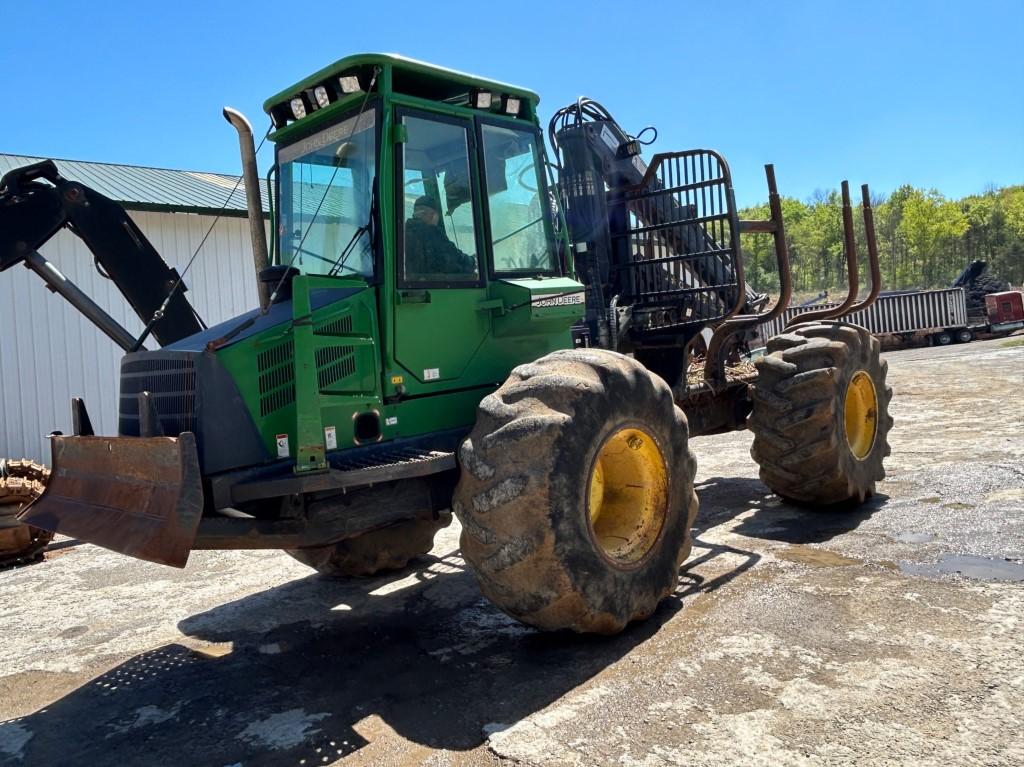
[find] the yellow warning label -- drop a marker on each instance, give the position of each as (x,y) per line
(395,380)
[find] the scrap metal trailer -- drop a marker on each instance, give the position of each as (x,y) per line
(939,315)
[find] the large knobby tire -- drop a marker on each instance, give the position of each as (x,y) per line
(20,483)
(576,493)
(378,551)
(821,414)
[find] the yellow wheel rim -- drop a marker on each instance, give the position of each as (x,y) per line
(628,496)
(861,415)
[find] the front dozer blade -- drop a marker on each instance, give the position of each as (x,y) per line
(140,496)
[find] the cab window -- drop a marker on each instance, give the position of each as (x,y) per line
(326,193)
(439,242)
(520,237)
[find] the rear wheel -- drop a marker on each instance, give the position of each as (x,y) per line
(20,483)
(378,551)
(576,492)
(964,335)
(944,338)
(821,414)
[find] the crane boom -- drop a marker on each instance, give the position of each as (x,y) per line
(36,202)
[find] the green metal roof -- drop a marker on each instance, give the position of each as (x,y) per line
(156,189)
(403,64)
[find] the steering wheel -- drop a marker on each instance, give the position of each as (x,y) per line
(528,168)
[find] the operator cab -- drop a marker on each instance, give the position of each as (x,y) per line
(458,141)
(429,187)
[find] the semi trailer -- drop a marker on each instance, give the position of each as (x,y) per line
(939,317)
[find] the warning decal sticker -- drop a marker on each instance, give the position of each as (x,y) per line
(282,446)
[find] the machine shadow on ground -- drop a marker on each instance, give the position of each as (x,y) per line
(290,692)
(722,499)
(299,672)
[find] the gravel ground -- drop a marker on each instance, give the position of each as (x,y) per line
(888,635)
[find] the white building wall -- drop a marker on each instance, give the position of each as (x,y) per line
(49,353)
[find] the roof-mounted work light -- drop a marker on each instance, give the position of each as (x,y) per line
(321,95)
(480,99)
(511,106)
(349,84)
(298,107)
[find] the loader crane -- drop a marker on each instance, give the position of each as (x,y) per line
(531,376)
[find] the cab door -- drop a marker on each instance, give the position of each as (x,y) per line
(439,323)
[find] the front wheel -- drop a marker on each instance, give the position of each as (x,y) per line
(576,492)
(821,414)
(378,551)
(964,335)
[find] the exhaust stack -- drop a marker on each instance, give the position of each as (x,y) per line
(251,178)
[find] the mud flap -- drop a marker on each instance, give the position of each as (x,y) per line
(140,496)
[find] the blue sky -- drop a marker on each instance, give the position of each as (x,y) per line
(926,93)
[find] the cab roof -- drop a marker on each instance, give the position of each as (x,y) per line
(404,75)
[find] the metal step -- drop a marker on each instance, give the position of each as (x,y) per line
(387,465)
(384,465)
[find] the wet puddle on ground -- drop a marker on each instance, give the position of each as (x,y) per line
(910,537)
(815,557)
(979,568)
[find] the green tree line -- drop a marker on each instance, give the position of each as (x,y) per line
(924,239)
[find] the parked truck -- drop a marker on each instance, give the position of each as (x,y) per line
(1004,311)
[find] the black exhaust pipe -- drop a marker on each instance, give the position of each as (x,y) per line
(251,178)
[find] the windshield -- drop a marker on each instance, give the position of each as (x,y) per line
(518,212)
(327,182)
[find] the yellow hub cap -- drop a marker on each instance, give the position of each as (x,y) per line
(860,413)
(628,498)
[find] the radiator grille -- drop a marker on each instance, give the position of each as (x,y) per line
(276,377)
(334,364)
(172,383)
(338,327)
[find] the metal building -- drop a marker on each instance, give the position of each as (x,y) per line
(49,353)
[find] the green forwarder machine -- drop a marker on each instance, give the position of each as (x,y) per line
(449,321)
